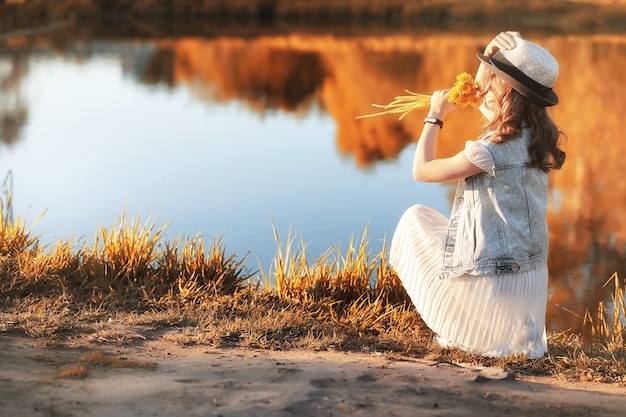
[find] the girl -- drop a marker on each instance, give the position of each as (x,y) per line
(480,279)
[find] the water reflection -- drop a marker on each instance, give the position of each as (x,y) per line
(13,110)
(344,75)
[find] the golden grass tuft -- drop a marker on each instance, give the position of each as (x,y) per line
(333,278)
(100,359)
(610,322)
(130,263)
(75,372)
(128,251)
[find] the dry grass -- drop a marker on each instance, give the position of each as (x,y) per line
(131,283)
(101,360)
(106,361)
(75,372)
(609,325)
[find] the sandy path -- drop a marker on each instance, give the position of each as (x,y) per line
(204,381)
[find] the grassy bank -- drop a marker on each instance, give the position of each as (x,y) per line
(191,293)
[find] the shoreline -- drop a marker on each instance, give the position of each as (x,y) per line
(573,17)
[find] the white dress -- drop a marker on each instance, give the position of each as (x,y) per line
(490,315)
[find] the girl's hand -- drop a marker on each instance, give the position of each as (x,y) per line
(440,107)
(502,42)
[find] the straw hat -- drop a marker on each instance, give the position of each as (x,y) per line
(529,68)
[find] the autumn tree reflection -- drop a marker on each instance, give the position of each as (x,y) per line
(13,109)
(265,77)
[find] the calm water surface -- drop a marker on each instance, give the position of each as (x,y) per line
(98,144)
(230,137)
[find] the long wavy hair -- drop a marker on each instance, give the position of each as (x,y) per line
(511,111)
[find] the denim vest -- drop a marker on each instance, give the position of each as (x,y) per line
(498,221)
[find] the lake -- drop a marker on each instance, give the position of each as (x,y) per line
(234,136)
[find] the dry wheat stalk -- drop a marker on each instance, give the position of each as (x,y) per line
(465,92)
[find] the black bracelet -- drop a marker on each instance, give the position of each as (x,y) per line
(434,121)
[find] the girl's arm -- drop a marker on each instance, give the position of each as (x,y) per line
(426,167)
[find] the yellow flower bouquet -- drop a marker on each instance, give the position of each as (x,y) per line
(465,92)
